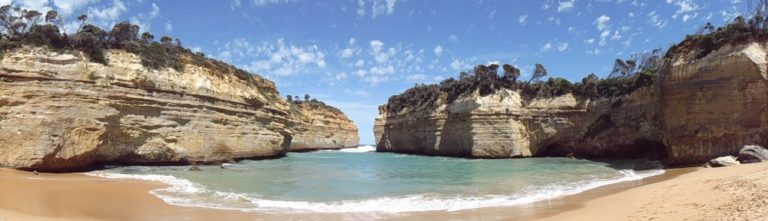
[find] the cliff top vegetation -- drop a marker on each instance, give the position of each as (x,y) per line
(30,27)
(741,30)
(294,101)
(626,76)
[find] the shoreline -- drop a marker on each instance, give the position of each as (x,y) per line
(674,195)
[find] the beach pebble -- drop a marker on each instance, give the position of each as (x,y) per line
(724,161)
(753,154)
(35,172)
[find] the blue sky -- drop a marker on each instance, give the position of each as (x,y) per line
(354,54)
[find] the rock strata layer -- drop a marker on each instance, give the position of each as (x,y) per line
(320,127)
(60,112)
(698,109)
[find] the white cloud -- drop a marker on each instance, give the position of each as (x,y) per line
(522,19)
(458,65)
(378,52)
(602,22)
(686,9)
(39,5)
(377,7)
(382,70)
(565,6)
(604,37)
(376,79)
(438,51)
(108,14)
(155,11)
(66,7)
(235,4)
(729,15)
(351,50)
(168,27)
(546,47)
(453,38)
(655,21)
(273,58)
(262,3)
(562,47)
(144,21)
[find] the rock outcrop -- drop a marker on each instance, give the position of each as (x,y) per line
(753,154)
(59,112)
(317,126)
(724,161)
(712,106)
(505,124)
(698,109)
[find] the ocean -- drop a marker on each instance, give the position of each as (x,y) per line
(360,180)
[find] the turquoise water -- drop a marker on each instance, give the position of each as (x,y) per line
(354,180)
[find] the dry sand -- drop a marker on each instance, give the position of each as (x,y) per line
(732,193)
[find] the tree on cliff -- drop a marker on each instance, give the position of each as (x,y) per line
(538,73)
(123,33)
(16,21)
(511,73)
(83,19)
(306,97)
(289,98)
(147,37)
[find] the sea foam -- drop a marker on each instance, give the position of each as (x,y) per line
(182,192)
(359,149)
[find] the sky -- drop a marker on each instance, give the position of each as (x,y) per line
(355,54)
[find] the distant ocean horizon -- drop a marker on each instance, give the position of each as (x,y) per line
(360,180)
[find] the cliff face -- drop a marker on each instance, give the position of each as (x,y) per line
(699,109)
(714,105)
(504,124)
(318,127)
(62,112)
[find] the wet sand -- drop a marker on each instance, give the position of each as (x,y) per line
(732,193)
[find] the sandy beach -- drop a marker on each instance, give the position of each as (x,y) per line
(732,193)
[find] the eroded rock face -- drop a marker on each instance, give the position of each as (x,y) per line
(62,112)
(698,109)
(715,105)
(504,125)
(320,127)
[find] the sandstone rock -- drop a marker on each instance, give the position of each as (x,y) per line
(753,154)
(318,127)
(504,125)
(61,112)
(699,108)
(724,161)
(714,105)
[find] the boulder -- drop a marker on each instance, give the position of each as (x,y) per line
(753,154)
(724,161)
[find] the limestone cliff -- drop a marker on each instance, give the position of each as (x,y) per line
(506,125)
(59,111)
(697,110)
(318,126)
(714,105)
